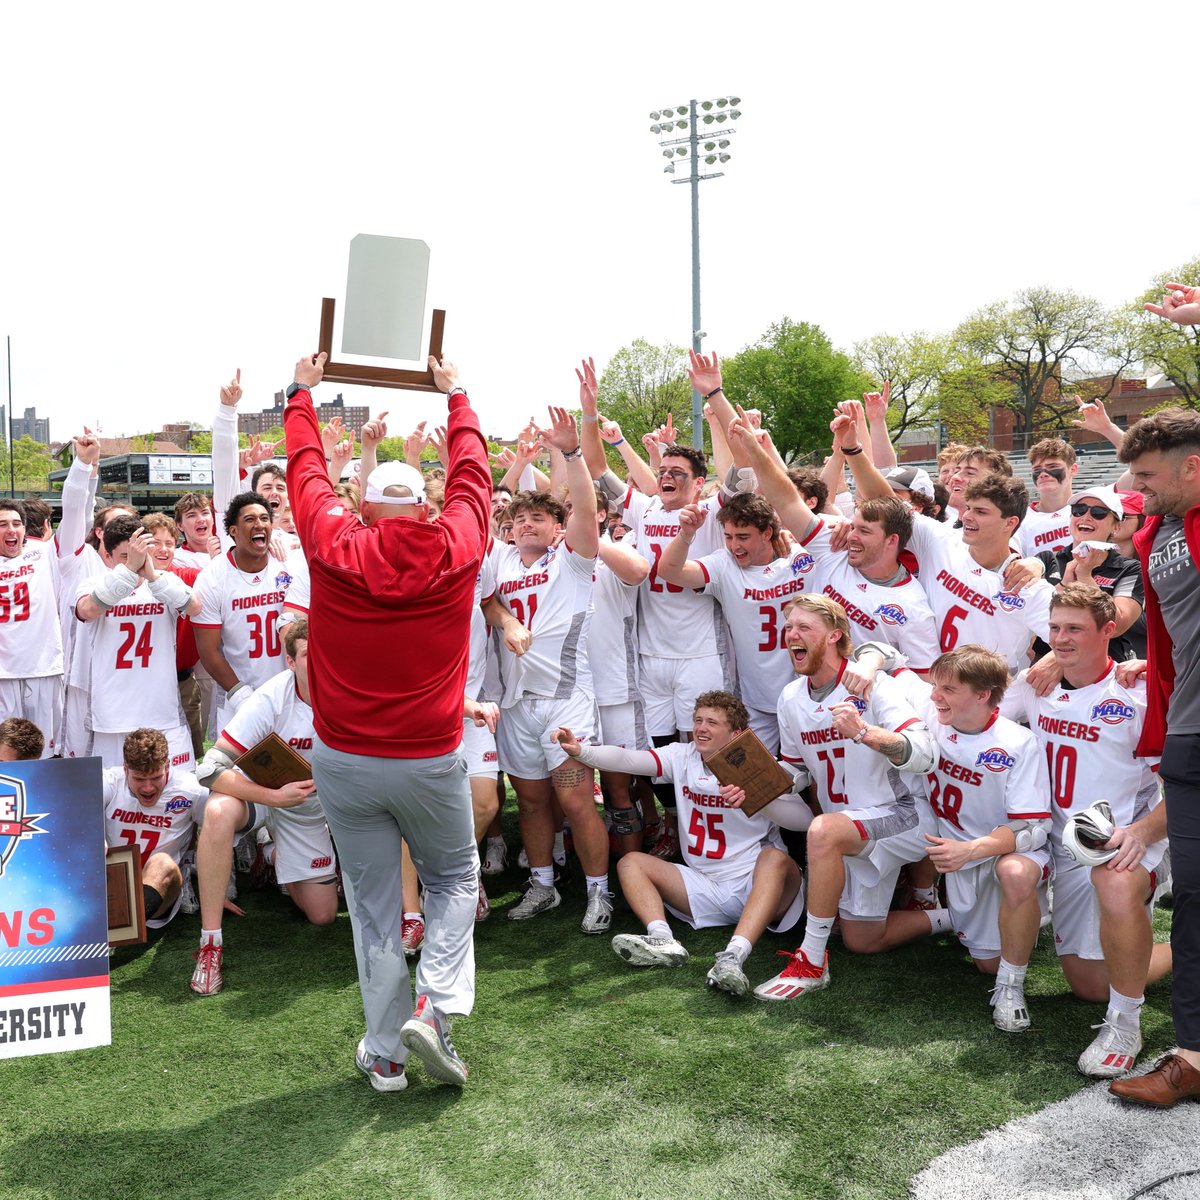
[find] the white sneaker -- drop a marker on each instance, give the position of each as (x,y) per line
(726,973)
(538,899)
(1009,1011)
(597,916)
(495,856)
(642,950)
(1114,1050)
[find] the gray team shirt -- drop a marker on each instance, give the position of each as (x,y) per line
(1176,581)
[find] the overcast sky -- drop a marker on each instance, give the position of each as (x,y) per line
(181,183)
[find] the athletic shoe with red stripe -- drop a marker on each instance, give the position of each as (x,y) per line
(412,935)
(207,979)
(798,977)
(1115,1049)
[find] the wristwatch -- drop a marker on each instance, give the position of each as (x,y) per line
(293,388)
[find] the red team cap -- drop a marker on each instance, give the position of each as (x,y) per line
(1132,502)
(395,474)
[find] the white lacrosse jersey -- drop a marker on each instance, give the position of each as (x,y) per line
(969,602)
(673,621)
(1089,736)
(30,632)
(897,614)
(134,683)
(164,827)
(276,708)
(1043,530)
(721,842)
(552,598)
(613,638)
(987,779)
(847,776)
(485,589)
(752,601)
(191,558)
(245,607)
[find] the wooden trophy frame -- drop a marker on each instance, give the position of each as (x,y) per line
(126,904)
(390,377)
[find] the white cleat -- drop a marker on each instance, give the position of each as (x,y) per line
(1009,1011)
(642,950)
(1114,1050)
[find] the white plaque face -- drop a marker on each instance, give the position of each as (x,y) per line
(385,297)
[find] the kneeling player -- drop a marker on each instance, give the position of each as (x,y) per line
(303,851)
(735,870)
(148,805)
(990,792)
(870,824)
(1089,728)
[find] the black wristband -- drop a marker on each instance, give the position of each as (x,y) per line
(714,392)
(851,453)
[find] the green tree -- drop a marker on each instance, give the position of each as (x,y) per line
(1037,344)
(641,385)
(142,443)
(794,376)
(32,463)
(1166,348)
(915,364)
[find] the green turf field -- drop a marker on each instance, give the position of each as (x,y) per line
(589,1078)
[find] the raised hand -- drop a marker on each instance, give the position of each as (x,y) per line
(341,454)
(876,403)
(231,393)
(586,374)
(562,434)
(845,431)
(87,448)
(610,432)
(1093,416)
(1181,305)
(414,444)
(440,441)
(373,432)
(311,370)
(332,434)
(704,371)
(445,373)
(691,517)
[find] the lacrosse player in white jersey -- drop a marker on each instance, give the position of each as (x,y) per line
(990,793)
(1089,728)
(735,868)
(132,611)
(241,596)
(301,850)
(32,577)
(155,809)
(873,820)
(548,588)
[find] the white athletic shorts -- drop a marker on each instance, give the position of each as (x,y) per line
(722,901)
(973,898)
(871,875)
(111,747)
(479,749)
(303,847)
(1076,911)
(77,723)
(523,743)
(38,700)
(624,725)
(670,687)
(766,725)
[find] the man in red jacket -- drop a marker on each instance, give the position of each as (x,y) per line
(392,596)
(1163,455)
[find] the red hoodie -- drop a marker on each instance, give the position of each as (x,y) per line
(389,618)
(1160,676)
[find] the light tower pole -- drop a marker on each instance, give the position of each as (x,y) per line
(696,149)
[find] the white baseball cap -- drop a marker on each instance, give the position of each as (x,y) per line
(395,474)
(910,479)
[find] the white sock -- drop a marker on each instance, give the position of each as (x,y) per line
(740,947)
(1015,976)
(1125,1006)
(543,876)
(268,853)
(412,916)
(925,895)
(559,851)
(939,918)
(212,935)
(600,881)
(816,938)
(658,929)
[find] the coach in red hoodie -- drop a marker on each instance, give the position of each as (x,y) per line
(389,620)
(1163,454)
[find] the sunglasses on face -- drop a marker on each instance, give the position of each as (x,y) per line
(1098,512)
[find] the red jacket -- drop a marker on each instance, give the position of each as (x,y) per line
(1160,675)
(389,618)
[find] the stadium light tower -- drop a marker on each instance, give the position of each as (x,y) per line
(699,150)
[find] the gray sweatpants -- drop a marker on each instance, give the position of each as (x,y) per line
(370,804)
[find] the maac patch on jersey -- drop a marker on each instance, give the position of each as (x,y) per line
(996,759)
(1112,712)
